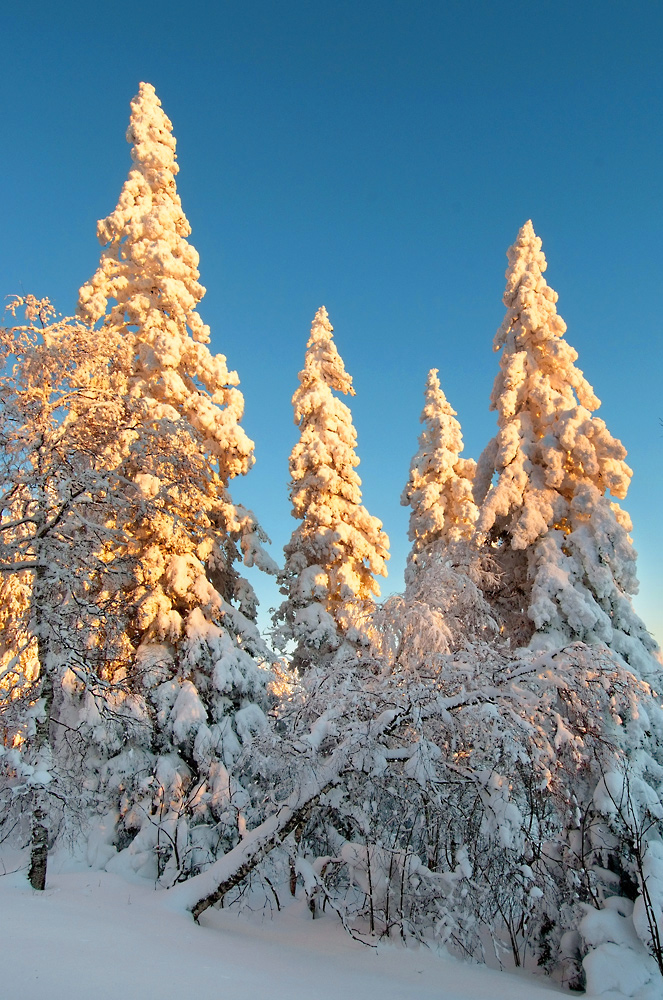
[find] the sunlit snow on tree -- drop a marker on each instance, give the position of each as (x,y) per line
(338,548)
(561,544)
(439,488)
(199,657)
(147,283)
(476,762)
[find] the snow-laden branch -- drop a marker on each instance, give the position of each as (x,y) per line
(208,888)
(16,567)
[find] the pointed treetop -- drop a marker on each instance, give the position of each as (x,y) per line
(147,265)
(320,323)
(147,287)
(323,362)
(435,393)
(150,132)
(536,358)
(526,233)
(441,429)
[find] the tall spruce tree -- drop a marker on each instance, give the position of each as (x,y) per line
(337,548)
(562,545)
(147,286)
(199,658)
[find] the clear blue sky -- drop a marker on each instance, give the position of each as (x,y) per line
(377,158)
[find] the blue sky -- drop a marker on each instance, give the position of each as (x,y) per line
(377,158)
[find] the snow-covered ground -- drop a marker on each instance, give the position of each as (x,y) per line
(97,936)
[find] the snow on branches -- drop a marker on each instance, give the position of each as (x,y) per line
(150,272)
(478,759)
(199,659)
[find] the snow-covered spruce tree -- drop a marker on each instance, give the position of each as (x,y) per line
(567,570)
(337,548)
(439,490)
(441,603)
(199,658)
(147,286)
(561,544)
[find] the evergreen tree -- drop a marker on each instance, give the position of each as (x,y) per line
(338,547)
(199,657)
(439,490)
(442,604)
(147,286)
(562,546)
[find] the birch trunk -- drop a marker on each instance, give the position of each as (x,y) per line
(39,837)
(42,751)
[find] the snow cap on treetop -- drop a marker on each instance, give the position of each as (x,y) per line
(150,132)
(323,360)
(526,232)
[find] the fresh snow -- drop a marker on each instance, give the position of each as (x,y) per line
(97,935)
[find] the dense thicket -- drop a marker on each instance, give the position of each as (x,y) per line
(477,761)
